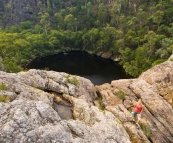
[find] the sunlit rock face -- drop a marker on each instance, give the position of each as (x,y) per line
(155,88)
(161,77)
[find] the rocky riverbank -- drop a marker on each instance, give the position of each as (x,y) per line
(101,114)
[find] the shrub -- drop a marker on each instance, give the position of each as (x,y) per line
(100,100)
(121,94)
(4,98)
(46,69)
(72,80)
(3,87)
(100,107)
(145,128)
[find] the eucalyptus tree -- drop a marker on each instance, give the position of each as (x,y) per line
(115,39)
(71,22)
(103,13)
(115,14)
(7,47)
(59,21)
(45,22)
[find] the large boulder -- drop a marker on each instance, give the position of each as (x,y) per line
(161,77)
(60,83)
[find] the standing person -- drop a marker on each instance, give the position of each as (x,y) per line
(137,111)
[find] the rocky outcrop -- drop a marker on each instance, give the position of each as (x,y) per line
(101,114)
(161,77)
(60,83)
(108,55)
(153,87)
(27,115)
(105,55)
(13,12)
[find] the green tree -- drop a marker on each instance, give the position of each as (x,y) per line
(158,16)
(26,25)
(7,47)
(59,21)
(71,22)
(150,44)
(45,22)
(132,39)
(103,13)
(115,14)
(103,42)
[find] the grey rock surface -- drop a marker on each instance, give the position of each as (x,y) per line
(154,87)
(60,83)
(28,116)
(161,77)
(100,113)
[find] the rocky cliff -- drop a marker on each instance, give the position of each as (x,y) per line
(101,114)
(12,12)
(16,11)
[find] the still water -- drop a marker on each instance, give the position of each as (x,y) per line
(64,111)
(98,70)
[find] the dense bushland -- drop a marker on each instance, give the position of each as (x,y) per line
(141,31)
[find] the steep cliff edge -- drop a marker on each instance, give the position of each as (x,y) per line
(154,87)
(27,113)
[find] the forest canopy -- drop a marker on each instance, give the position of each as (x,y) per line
(141,31)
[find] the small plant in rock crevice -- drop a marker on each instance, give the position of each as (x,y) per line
(4,98)
(100,107)
(46,69)
(145,128)
(121,94)
(3,87)
(118,121)
(171,59)
(100,100)
(72,80)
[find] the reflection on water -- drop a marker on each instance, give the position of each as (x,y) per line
(64,111)
(95,68)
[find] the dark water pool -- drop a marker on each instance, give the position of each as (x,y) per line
(96,69)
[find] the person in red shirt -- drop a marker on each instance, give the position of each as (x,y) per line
(137,111)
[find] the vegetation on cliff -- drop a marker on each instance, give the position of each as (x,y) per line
(139,30)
